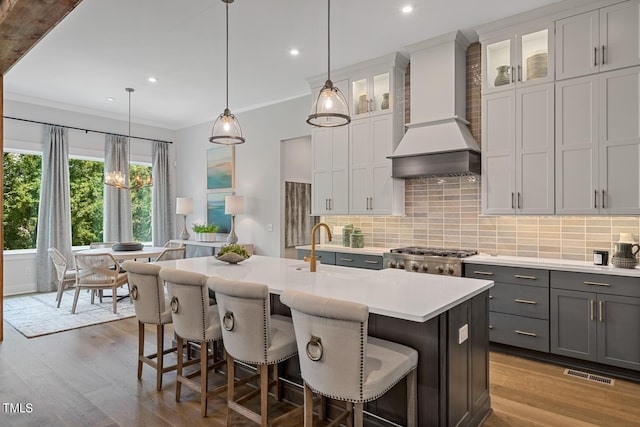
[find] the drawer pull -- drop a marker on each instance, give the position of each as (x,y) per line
(596,284)
(371,262)
(346,259)
(518,276)
(529,334)
(483,273)
(490,296)
(490,327)
(525,301)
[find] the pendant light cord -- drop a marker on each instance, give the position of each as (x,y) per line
(227,8)
(328,39)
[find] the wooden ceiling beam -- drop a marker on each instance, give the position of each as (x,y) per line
(24,22)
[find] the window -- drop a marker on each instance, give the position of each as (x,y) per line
(22,174)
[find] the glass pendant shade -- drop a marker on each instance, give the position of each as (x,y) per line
(330,108)
(226,130)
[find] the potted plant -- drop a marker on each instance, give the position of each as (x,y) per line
(205,232)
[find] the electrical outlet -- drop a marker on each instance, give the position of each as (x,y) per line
(463,333)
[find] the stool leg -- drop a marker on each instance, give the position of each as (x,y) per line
(358,415)
(204,376)
(230,386)
(275,377)
(160,355)
(179,368)
(350,417)
(264,394)
(308,406)
(412,398)
(140,347)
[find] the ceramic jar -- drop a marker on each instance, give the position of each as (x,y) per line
(346,234)
(625,255)
(357,239)
(503,76)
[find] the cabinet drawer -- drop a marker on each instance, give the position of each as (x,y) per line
(519,331)
(530,301)
(372,262)
(599,283)
(497,273)
(325,257)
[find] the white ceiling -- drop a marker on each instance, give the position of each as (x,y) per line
(104,46)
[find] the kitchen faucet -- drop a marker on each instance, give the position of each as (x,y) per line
(312,262)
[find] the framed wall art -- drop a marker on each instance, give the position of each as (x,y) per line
(215,211)
(220,168)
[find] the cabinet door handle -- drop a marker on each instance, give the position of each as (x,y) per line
(595,199)
(525,301)
(367,261)
(513,75)
(370,203)
(596,284)
(529,334)
(330,204)
(346,259)
(483,273)
(490,296)
(595,56)
(490,326)
(519,73)
(592,304)
(519,201)
(603,55)
(512,202)
(519,276)
(601,311)
(603,199)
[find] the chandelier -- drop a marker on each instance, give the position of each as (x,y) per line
(121,179)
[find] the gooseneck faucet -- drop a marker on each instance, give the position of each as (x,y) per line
(312,262)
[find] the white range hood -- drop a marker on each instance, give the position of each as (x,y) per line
(437,141)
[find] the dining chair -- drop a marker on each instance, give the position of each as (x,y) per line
(98,272)
(65,276)
(146,290)
(252,336)
(98,245)
(171,244)
(194,320)
(169,254)
(340,361)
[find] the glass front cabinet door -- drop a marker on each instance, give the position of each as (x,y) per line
(370,94)
(518,59)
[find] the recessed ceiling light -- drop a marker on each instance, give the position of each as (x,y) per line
(407,9)
(294,52)
(111,99)
(152,79)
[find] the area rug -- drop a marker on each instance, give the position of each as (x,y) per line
(35,315)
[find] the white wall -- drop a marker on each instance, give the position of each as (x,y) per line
(19,266)
(297,160)
(258,173)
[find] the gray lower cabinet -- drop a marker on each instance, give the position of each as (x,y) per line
(346,259)
(594,317)
(518,305)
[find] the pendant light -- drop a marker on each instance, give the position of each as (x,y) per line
(226,129)
(120,179)
(330,108)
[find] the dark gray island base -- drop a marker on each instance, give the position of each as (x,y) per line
(453,377)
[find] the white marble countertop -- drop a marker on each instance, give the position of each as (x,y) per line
(367,250)
(551,264)
(388,292)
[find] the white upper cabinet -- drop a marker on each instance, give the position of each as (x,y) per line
(519,58)
(371,93)
(597,41)
(598,144)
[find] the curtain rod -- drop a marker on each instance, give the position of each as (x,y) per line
(86,130)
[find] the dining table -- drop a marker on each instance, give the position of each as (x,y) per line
(148,252)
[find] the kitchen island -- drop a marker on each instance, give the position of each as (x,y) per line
(444,318)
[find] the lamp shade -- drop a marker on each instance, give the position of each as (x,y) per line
(233,205)
(184,205)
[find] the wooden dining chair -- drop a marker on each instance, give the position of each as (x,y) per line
(98,272)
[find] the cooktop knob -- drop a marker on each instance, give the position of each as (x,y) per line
(414,267)
(449,269)
(425,268)
(401,265)
(439,269)
(392,264)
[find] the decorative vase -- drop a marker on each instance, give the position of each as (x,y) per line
(385,101)
(625,256)
(356,239)
(346,234)
(503,76)
(206,237)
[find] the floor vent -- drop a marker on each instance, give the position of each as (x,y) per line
(591,377)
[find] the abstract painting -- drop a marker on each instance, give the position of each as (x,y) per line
(215,211)
(220,167)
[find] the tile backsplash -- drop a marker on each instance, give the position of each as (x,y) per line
(445,212)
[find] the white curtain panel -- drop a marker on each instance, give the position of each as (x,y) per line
(162,206)
(117,203)
(54,212)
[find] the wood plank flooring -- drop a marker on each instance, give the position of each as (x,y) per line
(87,377)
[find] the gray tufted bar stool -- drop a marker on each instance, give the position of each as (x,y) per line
(194,320)
(253,336)
(338,360)
(146,291)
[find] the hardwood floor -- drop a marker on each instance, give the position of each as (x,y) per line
(87,377)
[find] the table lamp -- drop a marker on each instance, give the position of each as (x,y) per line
(184,206)
(233,205)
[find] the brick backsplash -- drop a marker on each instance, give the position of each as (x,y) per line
(445,212)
